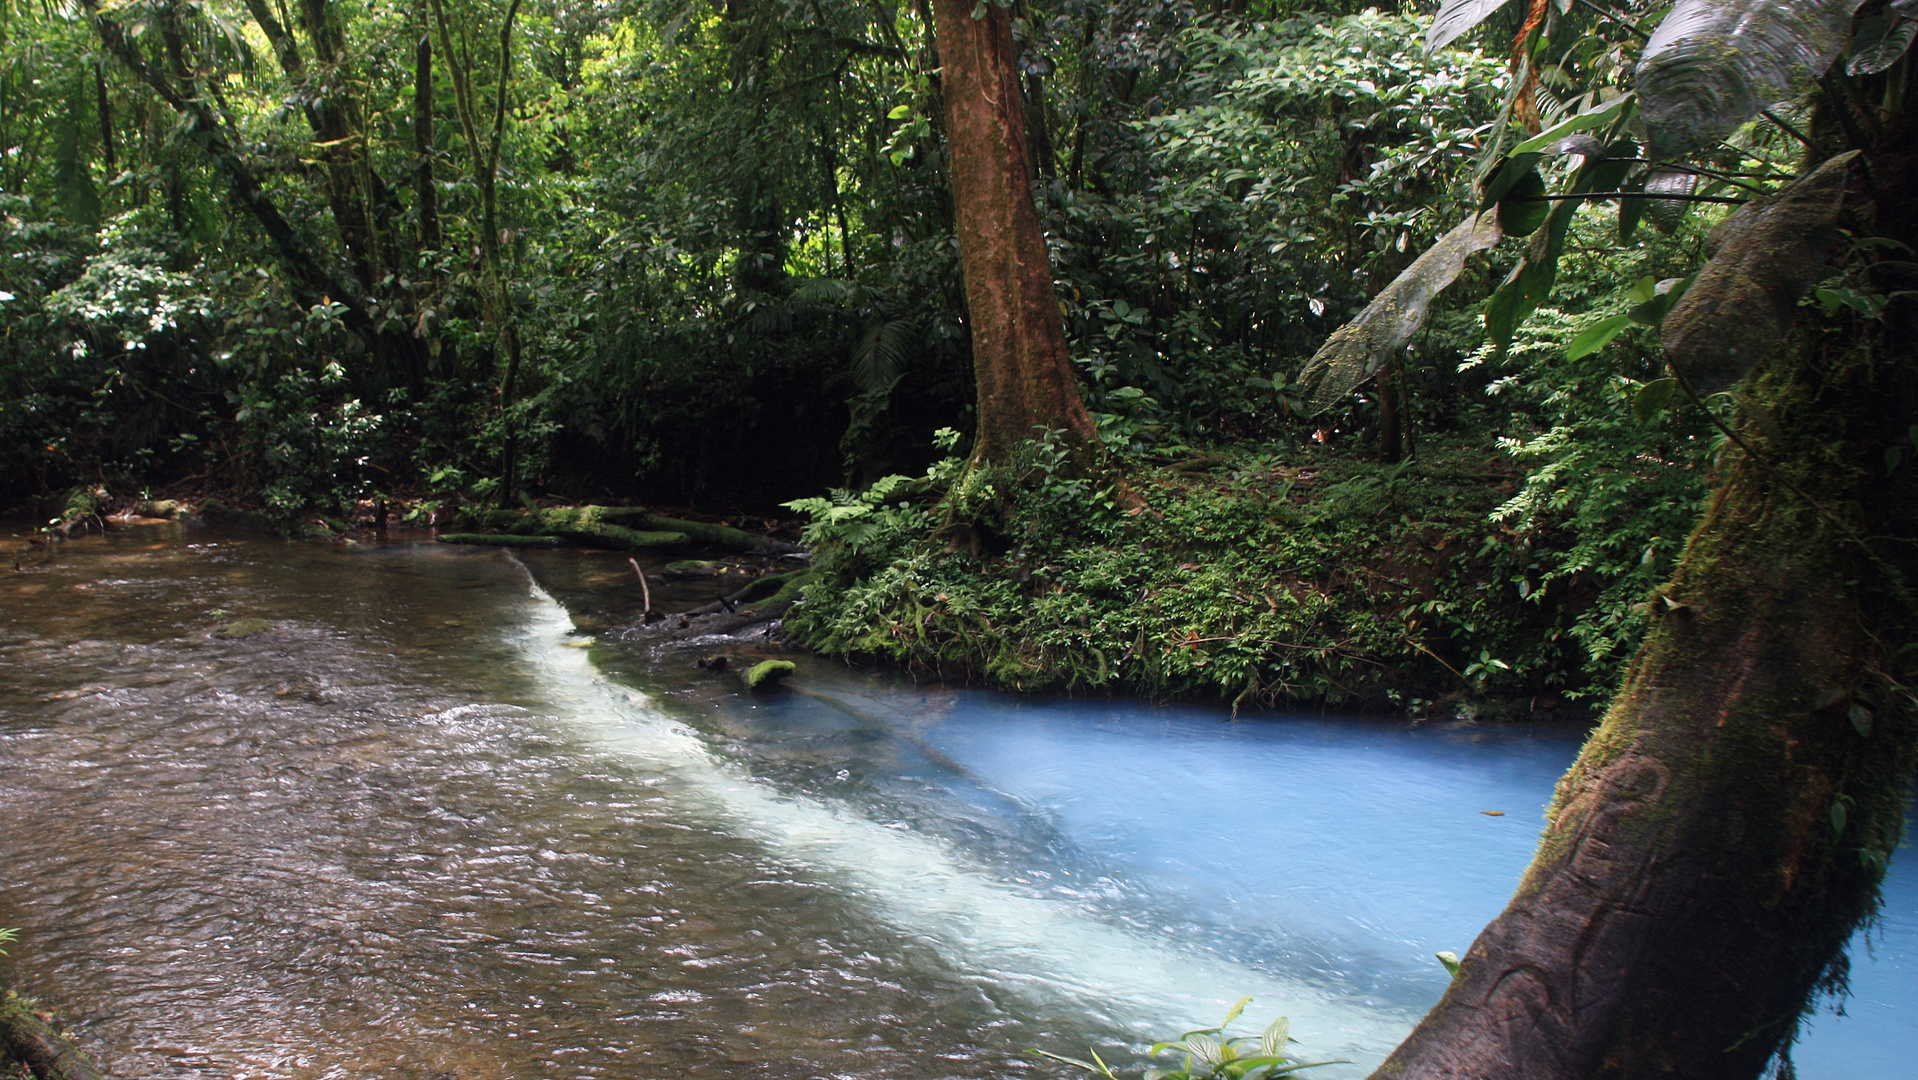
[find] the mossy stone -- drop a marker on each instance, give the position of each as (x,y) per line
(769,673)
(243,628)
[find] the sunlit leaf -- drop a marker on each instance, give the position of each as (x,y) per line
(1596,336)
(1601,115)
(1205,1048)
(1272,1043)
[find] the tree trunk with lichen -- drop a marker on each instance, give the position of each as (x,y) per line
(1025,379)
(1725,830)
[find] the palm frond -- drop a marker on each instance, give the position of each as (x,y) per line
(880,355)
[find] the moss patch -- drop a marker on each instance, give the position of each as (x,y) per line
(769,673)
(243,628)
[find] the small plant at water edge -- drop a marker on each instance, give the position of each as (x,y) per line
(1209,1053)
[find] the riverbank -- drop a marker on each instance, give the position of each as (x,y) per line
(1259,576)
(1453,585)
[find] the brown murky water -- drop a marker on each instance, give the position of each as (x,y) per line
(359,844)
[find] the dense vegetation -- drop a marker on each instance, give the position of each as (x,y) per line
(248,251)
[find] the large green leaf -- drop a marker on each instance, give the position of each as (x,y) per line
(1768,254)
(1455,17)
(1884,44)
(1531,281)
(1524,207)
(1712,64)
(1356,351)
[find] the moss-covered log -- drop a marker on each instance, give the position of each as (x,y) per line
(34,1043)
(766,593)
(631,528)
(500,540)
(1725,830)
(589,525)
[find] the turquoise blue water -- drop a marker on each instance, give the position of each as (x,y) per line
(1343,853)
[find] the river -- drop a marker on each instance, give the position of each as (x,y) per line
(442,820)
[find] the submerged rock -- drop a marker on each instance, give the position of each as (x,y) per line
(243,628)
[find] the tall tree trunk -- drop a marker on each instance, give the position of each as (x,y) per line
(1726,828)
(484,155)
(425,194)
(1025,380)
(1391,449)
(105,109)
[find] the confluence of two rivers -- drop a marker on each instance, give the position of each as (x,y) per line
(442,820)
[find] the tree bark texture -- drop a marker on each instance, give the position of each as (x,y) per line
(1025,379)
(1725,830)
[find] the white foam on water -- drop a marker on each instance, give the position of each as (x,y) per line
(1054,955)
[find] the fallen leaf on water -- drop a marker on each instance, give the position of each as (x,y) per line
(1493,813)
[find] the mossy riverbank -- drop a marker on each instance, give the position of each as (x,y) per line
(1257,577)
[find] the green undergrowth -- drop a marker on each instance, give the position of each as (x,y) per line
(1450,583)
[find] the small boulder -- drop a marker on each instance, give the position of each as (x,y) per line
(769,673)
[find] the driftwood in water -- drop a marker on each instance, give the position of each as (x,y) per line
(35,1044)
(762,593)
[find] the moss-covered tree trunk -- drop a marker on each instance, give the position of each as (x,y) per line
(1725,830)
(1025,380)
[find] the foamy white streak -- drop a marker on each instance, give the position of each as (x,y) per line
(1050,952)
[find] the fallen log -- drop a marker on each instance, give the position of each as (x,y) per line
(500,540)
(35,1044)
(635,519)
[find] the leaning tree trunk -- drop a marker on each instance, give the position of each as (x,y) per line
(1726,828)
(1025,380)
